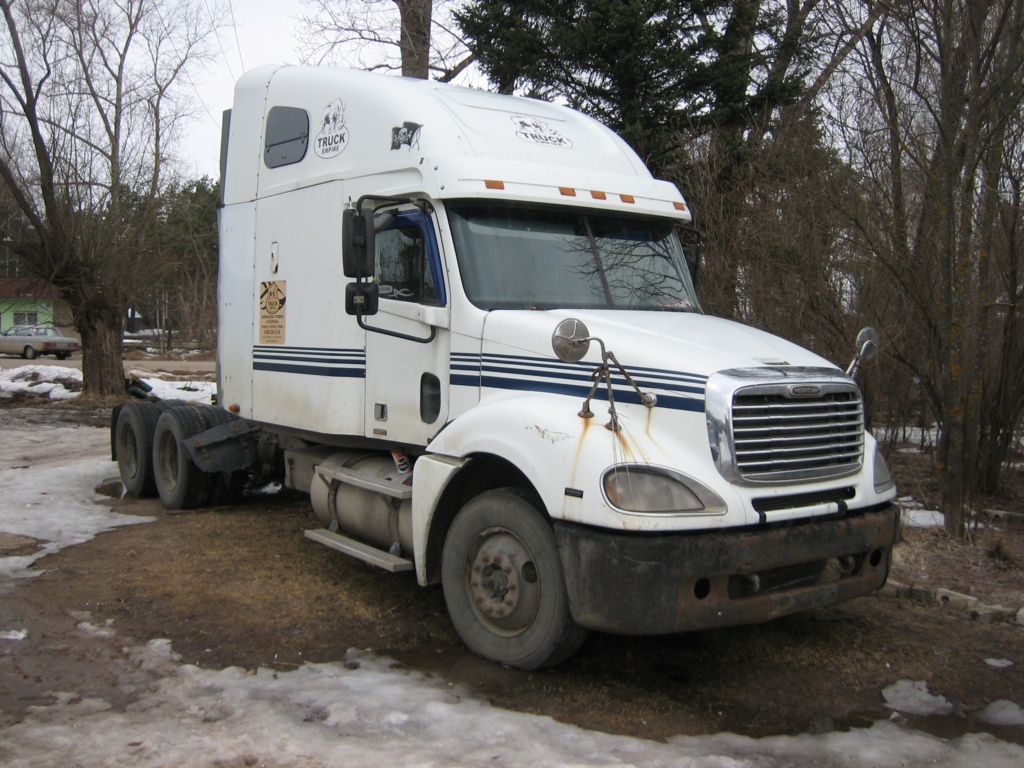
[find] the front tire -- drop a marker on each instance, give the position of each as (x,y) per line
(503,583)
(29,353)
(180,483)
(136,426)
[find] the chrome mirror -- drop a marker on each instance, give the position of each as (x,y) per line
(570,341)
(867,349)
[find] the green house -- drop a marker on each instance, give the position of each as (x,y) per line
(29,301)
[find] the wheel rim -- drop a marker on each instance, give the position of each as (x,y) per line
(168,460)
(502,582)
(128,451)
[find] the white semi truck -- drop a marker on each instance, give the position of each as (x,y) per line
(464,323)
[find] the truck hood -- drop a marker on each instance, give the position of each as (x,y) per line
(680,342)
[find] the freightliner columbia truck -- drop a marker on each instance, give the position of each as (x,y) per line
(465,325)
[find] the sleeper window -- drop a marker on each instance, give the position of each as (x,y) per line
(287,136)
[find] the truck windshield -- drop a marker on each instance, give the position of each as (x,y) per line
(514,257)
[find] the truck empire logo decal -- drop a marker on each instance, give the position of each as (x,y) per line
(539,132)
(333,136)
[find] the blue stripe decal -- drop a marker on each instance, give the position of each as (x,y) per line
(675,390)
(533,362)
(616,379)
(312,370)
(310,361)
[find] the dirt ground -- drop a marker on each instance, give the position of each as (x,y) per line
(240,585)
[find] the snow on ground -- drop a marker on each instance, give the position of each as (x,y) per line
(363,710)
(61,383)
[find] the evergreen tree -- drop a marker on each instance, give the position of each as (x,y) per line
(649,69)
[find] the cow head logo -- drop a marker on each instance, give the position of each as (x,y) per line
(333,136)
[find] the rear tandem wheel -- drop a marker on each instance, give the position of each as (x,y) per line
(136,425)
(180,483)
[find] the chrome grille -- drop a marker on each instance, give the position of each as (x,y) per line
(776,436)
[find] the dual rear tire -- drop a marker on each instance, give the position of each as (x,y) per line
(133,440)
(149,442)
(179,482)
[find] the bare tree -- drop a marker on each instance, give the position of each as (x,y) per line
(89,106)
(930,111)
(416,37)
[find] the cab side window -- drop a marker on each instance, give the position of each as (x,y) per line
(403,264)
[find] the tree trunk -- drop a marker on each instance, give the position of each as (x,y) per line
(415,38)
(102,366)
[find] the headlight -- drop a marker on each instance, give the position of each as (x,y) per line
(650,490)
(883,477)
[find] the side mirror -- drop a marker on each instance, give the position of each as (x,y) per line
(357,242)
(570,341)
(867,344)
(362,298)
(868,341)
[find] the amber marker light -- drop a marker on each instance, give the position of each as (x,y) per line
(234,408)
(598,195)
(567,191)
(494,184)
(627,198)
(679,206)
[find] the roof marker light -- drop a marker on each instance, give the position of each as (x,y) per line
(627,198)
(494,184)
(679,206)
(567,191)
(598,195)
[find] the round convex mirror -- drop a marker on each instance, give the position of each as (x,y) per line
(867,344)
(570,341)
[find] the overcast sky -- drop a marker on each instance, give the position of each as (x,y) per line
(263,33)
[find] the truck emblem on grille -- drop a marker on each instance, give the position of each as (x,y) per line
(805,390)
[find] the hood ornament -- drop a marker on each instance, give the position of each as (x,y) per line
(571,342)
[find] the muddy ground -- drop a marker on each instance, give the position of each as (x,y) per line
(240,585)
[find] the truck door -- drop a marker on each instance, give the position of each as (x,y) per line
(407,341)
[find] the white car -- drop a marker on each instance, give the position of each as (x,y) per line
(30,341)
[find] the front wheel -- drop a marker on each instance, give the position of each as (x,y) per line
(29,353)
(503,583)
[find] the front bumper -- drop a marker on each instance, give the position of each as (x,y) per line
(637,584)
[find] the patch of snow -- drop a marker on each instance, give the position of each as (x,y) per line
(47,485)
(368,711)
(14,634)
(193,390)
(912,697)
(999,663)
(1002,712)
(61,383)
(49,380)
(916,515)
